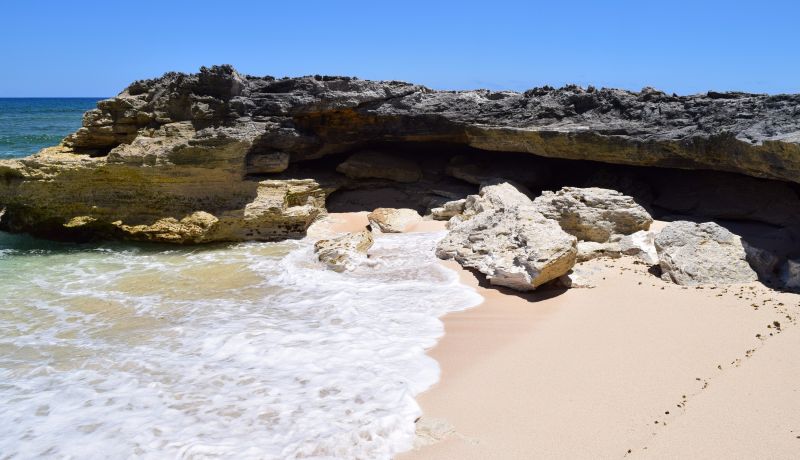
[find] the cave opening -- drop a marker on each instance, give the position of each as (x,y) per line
(424,175)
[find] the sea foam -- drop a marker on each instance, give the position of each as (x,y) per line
(248,351)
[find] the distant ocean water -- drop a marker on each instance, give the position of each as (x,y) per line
(249,350)
(29,124)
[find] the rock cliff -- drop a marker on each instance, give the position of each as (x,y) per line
(219,156)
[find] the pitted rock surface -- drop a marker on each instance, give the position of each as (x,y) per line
(172,146)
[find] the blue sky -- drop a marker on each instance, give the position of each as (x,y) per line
(94,48)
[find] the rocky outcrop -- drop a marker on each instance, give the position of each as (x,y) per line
(705,253)
(390,220)
(109,180)
(516,248)
(344,252)
(593,214)
(146,161)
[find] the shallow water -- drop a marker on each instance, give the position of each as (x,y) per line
(248,350)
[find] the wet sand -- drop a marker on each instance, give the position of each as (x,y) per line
(634,367)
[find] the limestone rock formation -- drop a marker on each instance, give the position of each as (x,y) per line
(344,252)
(705,253)
(640,244)
(390,220)
(173,146)
(191,229)
(496,197)
(593,214)
(517,247)
(449,209)
(380,165)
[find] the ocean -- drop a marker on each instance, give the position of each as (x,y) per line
(250,350)
(29,124)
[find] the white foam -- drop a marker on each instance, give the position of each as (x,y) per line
(250,351)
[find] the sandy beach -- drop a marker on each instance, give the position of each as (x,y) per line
(634,367)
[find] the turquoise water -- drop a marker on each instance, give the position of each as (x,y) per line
(29,124)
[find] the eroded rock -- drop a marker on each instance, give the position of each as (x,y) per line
(448,209)
(516,248)
(194,228)
(344,252)
(640,244)
(690,253)
(496,197)
(391,220)
(184,143)
(593,214)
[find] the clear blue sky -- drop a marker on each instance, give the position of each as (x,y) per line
(95,48)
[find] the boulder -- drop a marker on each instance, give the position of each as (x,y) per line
(593,214)
(516,248)
(690,254)
(344,252)
(370,164)
(497,197)
(391,220)
(448,209)
(640,244)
